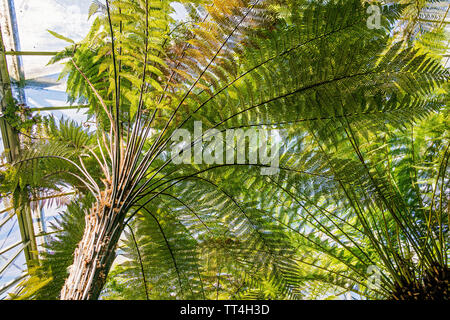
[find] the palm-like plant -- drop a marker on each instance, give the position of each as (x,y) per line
(314,69)
(384,211)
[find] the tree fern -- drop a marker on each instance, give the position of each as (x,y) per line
(338,90)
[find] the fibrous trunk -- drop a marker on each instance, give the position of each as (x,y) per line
(435,285)
(94,255)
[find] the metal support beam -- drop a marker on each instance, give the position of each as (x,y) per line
(30,53)
(12,148)
(10,139)
(5,220)
(12,283)
(56,108)
(3,251)
(14,257)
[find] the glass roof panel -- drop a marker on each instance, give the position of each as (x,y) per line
(25,25)
(66,17)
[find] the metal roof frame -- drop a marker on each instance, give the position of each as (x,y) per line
(12,76)
(11,145)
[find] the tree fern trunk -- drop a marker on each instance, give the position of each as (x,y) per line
(94,256)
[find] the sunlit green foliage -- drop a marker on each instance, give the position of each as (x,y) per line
(363,175)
